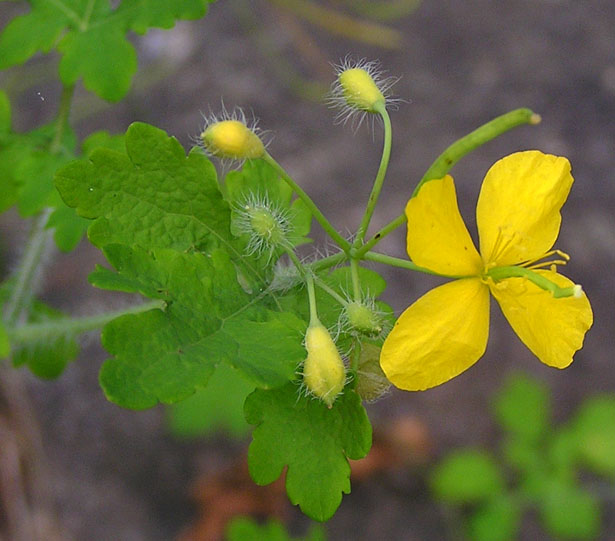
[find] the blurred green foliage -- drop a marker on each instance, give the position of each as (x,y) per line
(554,471)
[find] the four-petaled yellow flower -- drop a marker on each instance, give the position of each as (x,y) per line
(445,332)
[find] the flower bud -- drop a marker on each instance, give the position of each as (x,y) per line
(363,318)
(267,225)
(371,381)
(360,90)
(324,373)
(232,139)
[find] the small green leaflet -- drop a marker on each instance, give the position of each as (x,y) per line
(313,441)
(46,358)
(166,355)
(91,37)
(244,528)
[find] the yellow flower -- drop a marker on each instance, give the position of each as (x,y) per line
(445,331)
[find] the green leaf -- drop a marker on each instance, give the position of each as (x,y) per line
(217,407)
(243,529)
(315,443)
(30,33)
(166,355)
(5,346)
(153,195)
(102,56)
(102,139)
(69,228)
(496,520)
(27,168)
(5,112)
(522,454)
(144,14)
(522,407)
(570,512)
(93,37)
(46,358)
(467,476)
(594,431)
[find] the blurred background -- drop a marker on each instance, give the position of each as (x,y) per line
(123,475)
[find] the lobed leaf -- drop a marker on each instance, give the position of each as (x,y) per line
(311,440)
(167,355)
(91,37)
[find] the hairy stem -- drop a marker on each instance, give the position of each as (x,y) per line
(382,169)
(48,330)
(21,294)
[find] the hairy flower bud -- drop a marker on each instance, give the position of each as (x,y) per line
(363,318)
(360,89)
(232,139)
(324,373)
(267,225)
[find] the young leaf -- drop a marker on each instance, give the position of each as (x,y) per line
(5,346)
(496,520)
(5,113)
(217,407)
(314,441)
(161,13)
(570,512)
(243,529)
(467,476)
(594,433)
(166,355)
(522,407)
(48,357)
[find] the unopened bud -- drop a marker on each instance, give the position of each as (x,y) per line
(363,318)
(324,372)
(360,89)
(232,139)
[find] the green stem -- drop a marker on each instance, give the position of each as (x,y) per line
(444,163)
(62,118)
(296,261)
(501,273)
(37,332)
(382,169)
(21,295)
(328,262)
(320,218)
(401,263)
(309,280)
(499,125)
(354,276)
(330,291)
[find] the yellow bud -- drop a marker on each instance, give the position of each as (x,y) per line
(324,372)
(360,90)
(232,139)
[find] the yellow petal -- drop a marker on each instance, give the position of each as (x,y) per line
(553,329)
(438,337)
(518,208)
(437,237)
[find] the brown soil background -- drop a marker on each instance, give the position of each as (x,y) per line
(119,475)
